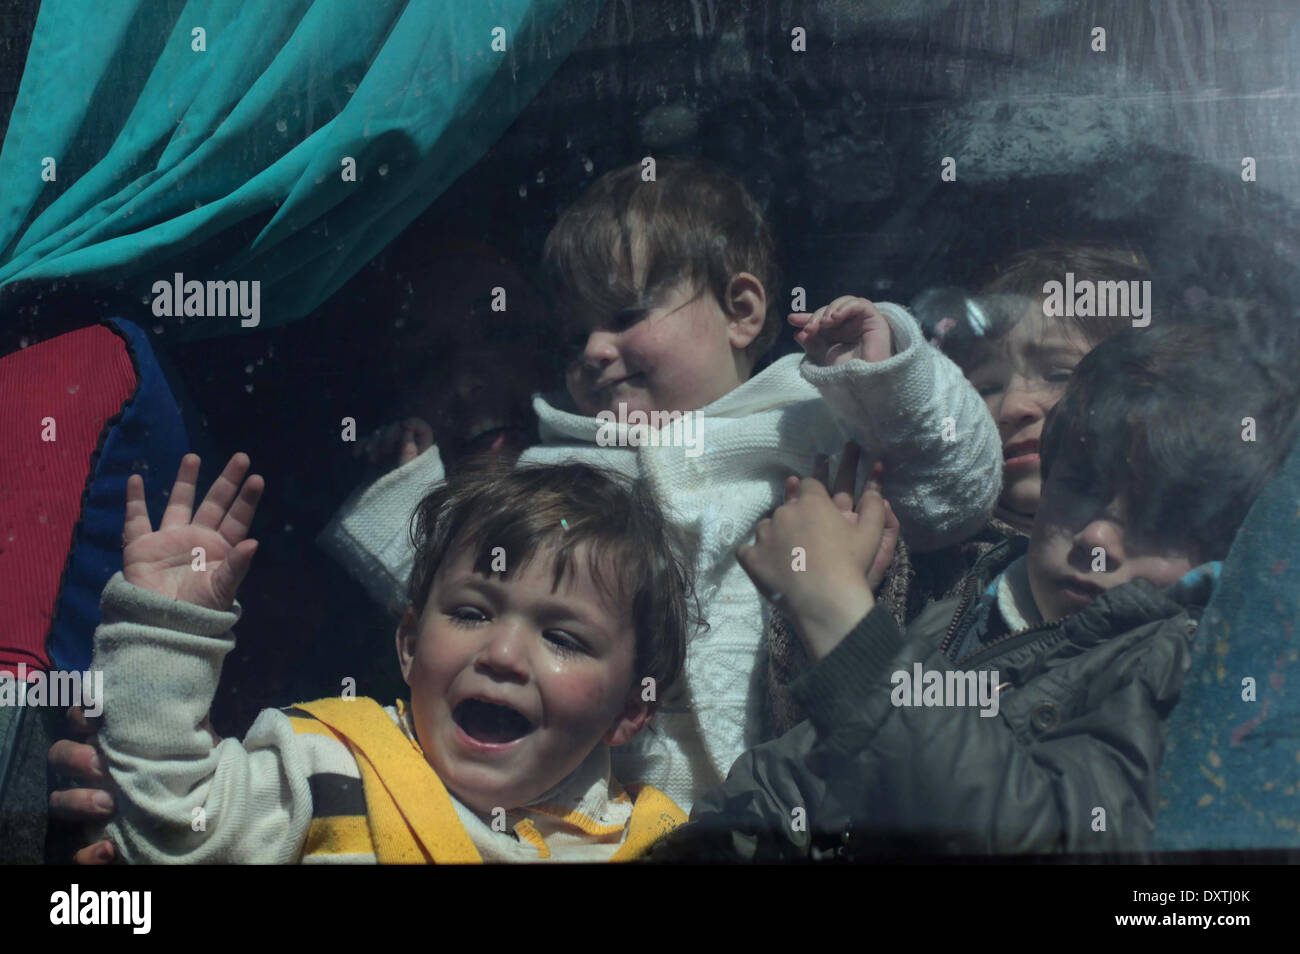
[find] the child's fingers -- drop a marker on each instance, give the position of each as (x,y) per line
(864,307)
(180,505)
(821,469)
(136,524)
(812,488)
(237,521)
(749,560)
(843,309)
(876,477)
(100,853)
(230,574)
(847,305)
(846,477)
(815,321)
(73,805)
(885,550)
(77,722)
(77,761)
(217,501)
(873,482)
(799,318)
(791,488)
(871,514)
(891,520)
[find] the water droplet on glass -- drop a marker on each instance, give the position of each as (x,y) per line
(74,388)
(541,176)
(23,342)
(587,165)
(523,191)
(248,369)
(281,126)
(157,329)
(248,388)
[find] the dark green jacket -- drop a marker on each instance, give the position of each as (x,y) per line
(1080,727)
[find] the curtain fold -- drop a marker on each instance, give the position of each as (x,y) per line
(227,162)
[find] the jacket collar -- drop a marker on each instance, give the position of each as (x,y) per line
(1115,611)
(777,384)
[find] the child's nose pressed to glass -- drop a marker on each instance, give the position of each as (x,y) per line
(1082,544)
(515,679)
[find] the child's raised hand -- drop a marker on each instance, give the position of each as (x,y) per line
(845,329)
(165,561)
(813,563)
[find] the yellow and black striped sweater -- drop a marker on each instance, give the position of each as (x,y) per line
(333,781)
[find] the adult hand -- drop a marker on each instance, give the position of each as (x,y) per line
(92,804)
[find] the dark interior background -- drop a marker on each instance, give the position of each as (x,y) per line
(842,144)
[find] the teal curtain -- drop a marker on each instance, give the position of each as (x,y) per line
(227,163)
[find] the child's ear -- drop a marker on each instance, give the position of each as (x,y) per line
(408,636)
(746,308)
(636,713)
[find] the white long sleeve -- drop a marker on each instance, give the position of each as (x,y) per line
(370,534)
(917,412)
(161,660)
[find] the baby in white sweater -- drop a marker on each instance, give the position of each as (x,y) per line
(663,288)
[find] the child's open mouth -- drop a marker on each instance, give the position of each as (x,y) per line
(489,723)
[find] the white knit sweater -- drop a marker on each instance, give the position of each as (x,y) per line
(942,478)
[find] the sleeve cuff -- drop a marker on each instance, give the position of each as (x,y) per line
(370,534)
(831,691)
(126,602)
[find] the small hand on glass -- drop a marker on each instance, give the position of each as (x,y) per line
(214,537)
(847,328)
